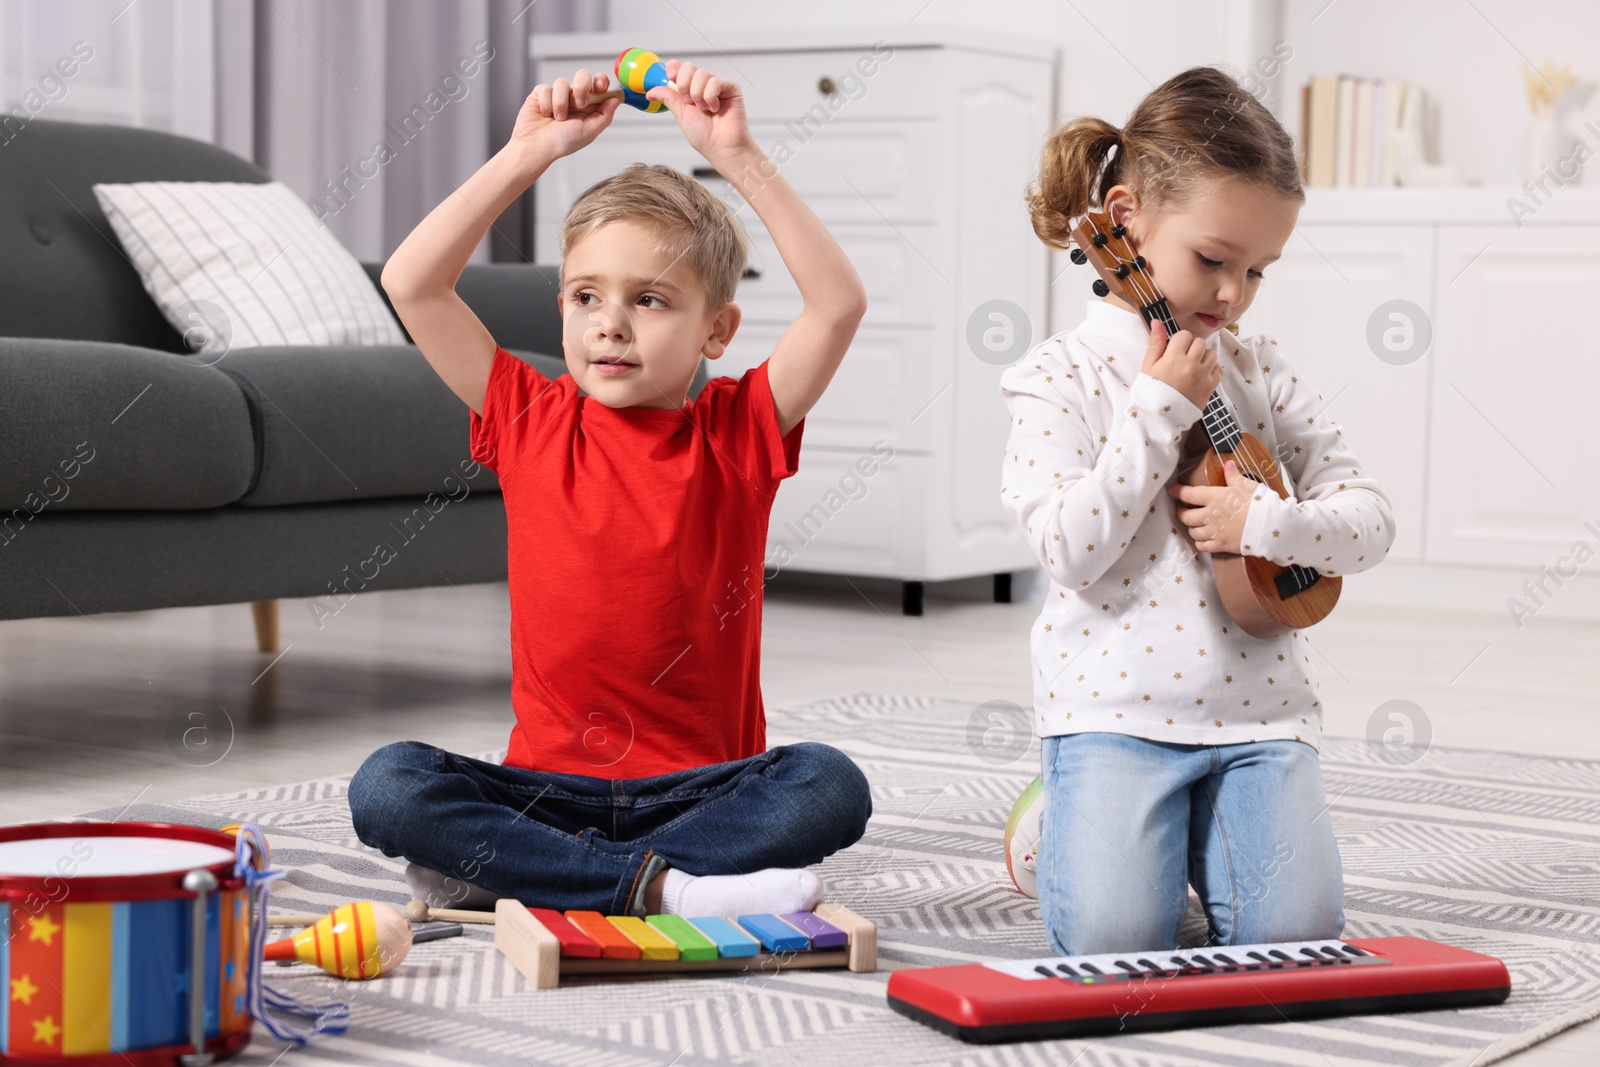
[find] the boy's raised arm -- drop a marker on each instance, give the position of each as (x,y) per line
(711,112)
(421,276)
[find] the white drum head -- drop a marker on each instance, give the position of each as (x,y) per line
(98,856)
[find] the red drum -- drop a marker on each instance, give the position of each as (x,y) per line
(126,943)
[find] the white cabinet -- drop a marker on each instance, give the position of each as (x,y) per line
(1513,464)
(1482,444)
(914,146)
(1316,302)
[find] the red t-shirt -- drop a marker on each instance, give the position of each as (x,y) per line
(635,547)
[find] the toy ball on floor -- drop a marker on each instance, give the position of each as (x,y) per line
(638,71)
(360,940)
(1022,838)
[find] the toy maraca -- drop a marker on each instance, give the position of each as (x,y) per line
(638,71)
(360,940)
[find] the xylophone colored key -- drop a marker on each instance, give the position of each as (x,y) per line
(653,945)
(822,934)
(574,942)
(692,944)
(774,934)
(614,944)
(731,942)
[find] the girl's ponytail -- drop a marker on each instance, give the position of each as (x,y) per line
(1072,157)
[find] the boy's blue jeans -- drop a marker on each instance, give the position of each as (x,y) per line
(571,841)
(1128,823)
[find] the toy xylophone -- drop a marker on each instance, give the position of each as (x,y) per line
(1074,996)
(544,944)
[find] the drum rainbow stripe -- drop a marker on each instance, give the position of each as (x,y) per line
(84,978)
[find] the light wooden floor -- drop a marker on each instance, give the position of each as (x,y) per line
(92,710)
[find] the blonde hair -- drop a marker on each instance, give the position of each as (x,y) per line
(686,218)
(1195,128)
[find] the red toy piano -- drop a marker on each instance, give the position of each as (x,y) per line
(1076,996)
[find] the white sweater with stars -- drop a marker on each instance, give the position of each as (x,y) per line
(1133,638)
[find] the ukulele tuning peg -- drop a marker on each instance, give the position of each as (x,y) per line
(1078,256)
(1100,287)
(1119,230)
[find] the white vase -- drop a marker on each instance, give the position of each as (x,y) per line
(1543,148)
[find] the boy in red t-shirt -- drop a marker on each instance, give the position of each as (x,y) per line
(637,779)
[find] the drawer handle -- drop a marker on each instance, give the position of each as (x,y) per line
(826,87)
(705,172)
(750,272)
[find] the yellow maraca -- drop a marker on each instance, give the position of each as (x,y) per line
(360,940)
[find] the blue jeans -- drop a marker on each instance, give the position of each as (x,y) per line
(1128,823)
(571,841)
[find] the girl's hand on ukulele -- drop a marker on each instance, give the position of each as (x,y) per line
(558,119)
(709,109)
(1184,362)
(1217,513)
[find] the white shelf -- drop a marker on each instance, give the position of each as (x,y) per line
(1449,206)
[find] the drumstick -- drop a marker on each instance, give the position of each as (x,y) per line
(418,912)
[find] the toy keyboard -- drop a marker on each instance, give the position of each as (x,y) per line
(1073,996)
(544,944)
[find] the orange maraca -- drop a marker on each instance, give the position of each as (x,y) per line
(360,940)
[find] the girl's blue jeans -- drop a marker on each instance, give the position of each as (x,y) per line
(1129,823)
(571,841)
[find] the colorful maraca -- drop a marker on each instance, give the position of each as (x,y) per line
(360,940)
(638,71)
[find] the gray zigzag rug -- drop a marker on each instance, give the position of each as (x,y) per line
(1492,852)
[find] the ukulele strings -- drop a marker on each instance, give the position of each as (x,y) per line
(1248,466)
(1300,572)
(1246,463)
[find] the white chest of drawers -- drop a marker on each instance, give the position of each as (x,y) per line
(915,146)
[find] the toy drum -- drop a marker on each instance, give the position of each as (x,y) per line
(125,943)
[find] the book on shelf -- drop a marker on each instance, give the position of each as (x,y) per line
(1349,127)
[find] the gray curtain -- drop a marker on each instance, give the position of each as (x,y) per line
(373,111)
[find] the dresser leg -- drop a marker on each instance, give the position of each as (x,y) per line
(1002,588)
(911,598)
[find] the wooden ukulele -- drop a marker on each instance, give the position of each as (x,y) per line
(1264,598)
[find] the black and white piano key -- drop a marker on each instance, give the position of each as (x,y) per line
(1225,959)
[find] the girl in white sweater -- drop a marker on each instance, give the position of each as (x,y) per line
(1176,747)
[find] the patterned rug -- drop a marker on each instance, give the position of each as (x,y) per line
(1491,852)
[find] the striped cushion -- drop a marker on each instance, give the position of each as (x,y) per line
(243,265)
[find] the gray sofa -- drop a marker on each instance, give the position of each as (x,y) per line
(137,476)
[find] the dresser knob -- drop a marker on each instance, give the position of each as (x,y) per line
(826,87)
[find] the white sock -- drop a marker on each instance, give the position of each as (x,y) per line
(445,891)
(774,891)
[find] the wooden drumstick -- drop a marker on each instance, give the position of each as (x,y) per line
(418,911)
